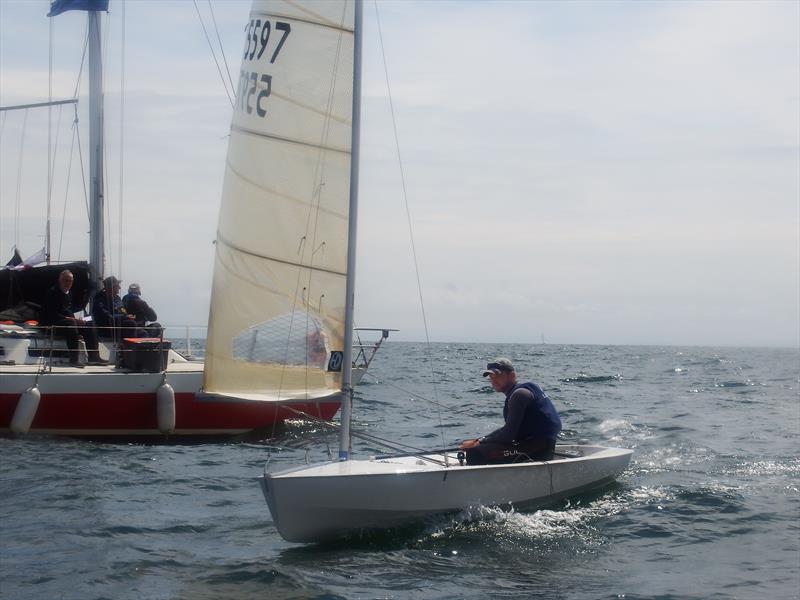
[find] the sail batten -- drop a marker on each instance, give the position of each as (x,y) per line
(291,141)
(277,317)
(300,265)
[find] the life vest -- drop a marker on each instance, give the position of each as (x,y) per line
(541,419)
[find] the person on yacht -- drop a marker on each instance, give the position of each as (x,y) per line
(111,319)
(141,311)
(58,312)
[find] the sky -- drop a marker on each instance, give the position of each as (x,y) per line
(578,172)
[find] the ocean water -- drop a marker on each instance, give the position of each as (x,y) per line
(709,508)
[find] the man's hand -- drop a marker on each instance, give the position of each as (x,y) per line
(467,444)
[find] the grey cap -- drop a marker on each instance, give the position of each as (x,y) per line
(134,289)
(499,365)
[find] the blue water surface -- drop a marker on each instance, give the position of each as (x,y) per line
(709,507)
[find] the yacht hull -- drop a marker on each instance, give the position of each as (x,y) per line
(104,402)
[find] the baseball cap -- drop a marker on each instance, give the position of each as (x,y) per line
(499,365)
(108,282)
(134,289)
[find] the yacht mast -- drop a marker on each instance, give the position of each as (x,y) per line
(96,197)
(347,359)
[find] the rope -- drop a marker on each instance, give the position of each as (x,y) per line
(214,55)
(410,226)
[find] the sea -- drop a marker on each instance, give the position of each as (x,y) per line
(709,507)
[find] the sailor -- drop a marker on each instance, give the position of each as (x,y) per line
(108,313)
(141,311)
(58,313)
(531,422)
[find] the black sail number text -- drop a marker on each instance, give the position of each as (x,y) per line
(257,37)
(253,89)
(263,38)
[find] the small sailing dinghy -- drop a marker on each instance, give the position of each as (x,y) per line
(317,503)
(302,104)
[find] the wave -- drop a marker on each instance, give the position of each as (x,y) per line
(585,378)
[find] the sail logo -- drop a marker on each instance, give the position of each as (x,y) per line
(255,87)
(335,363)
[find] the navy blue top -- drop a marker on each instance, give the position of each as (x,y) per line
(529,414)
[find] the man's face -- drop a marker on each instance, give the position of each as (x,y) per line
(65,282)
(499,380)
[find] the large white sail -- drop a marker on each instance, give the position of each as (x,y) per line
(276,324)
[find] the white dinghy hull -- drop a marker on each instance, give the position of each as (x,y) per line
(318,503)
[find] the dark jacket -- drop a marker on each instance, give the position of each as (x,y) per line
(57,306)
(138,308)
(529,414)
(107,310)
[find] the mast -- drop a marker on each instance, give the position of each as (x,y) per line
(96,199)
(347,360)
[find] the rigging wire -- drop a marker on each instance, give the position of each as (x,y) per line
(373,439)
(221,48)
(410,225)
(19,178)
(214,56)
(416,396)
(51,179)
(66,191)
(83,170)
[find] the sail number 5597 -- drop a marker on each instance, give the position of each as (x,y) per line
(258,33)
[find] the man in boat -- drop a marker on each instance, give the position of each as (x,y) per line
(59,313)
(143,314)
(531,422)
(109,316)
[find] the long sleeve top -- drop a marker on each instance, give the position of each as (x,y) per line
(528,414)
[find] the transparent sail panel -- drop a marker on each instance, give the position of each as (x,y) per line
(276,326)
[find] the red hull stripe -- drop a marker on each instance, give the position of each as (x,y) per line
(117,413)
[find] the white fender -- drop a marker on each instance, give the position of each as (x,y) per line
(165,405)
(27,405)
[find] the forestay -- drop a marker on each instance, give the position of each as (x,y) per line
(276,324)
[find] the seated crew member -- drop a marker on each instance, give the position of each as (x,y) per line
(141,311)
(58,313)
(110,318)
(531,422)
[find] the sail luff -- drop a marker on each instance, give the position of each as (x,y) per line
(347,361)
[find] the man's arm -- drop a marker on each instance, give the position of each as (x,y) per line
(517,404)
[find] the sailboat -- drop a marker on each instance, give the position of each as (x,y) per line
(305,140)
(276,328)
